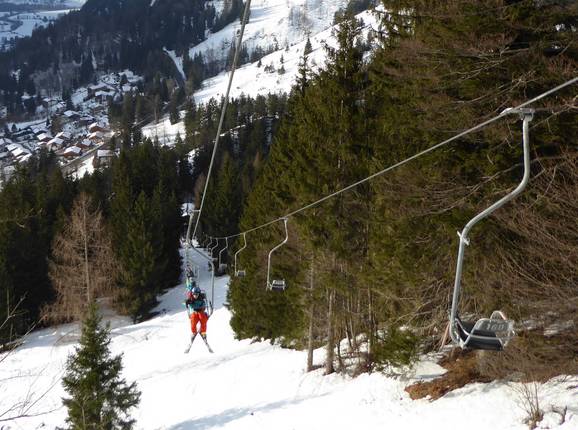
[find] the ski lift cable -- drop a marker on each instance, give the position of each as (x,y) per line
(188,241)
(221,120)
(407,160)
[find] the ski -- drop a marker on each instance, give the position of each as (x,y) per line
(188,348)
(207,343)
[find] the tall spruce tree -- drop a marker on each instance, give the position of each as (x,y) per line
(146,221)
(99,397)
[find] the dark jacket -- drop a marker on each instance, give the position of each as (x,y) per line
(199,304)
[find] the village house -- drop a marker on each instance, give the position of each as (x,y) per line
(4,141)
(85,120)
(44,137)
(71,152)
(55,143)
(102,158)
(23,135)
(95,127)
(64,135)
(104,96)
(71,115)
(93,89)
(97,136)
(17,151)
(84,144)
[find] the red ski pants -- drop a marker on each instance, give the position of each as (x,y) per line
(199,317)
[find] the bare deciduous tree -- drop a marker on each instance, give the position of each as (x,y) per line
(83,265)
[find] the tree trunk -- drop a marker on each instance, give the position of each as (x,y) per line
(310,339)
(371,324)
(311,322)
(330,335)
(84,233)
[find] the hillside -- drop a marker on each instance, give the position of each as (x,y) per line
(263,76)
(255,385)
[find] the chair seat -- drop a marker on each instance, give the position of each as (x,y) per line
(480,339)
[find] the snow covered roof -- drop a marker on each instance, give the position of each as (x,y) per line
(44,137)
(70,113)
(56,141)
(19,152)
(101,153)
(64,135)
(86,143)
(104,94)
(72,150)
(24,157)
(97,87)
(95,135)
(13,147)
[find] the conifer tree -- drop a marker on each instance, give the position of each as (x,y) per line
(99,397)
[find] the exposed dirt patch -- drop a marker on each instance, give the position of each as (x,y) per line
(461,368)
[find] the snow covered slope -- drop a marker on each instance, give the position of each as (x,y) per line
(250,79)
(253,386)
(49,3)
(253,80)
(274,22)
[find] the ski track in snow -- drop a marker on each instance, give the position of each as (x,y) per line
(246,385)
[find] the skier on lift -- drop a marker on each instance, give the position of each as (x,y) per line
(196,306)
(190,278)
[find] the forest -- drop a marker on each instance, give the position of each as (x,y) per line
(375,265)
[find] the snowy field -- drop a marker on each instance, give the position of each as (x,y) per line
(165,132)
(253,386)
(27,22)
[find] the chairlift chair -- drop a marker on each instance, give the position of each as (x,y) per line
(277,284)
(494,333)
(240,272)
(212,251)
(222,267)
(209,245)
(206,241)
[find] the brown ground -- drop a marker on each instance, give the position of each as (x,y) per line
(462,369)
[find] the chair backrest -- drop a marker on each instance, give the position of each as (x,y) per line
(278,285)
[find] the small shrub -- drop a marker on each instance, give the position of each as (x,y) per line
(397,348)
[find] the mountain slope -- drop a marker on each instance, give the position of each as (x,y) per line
(256,78)
(248,385)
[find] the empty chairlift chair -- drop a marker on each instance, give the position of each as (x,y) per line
(495,332)
(240,272)
(277,284)
(222,267)
(209,245)
(212,251)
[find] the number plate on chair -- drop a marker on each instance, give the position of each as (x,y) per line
(493,325)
